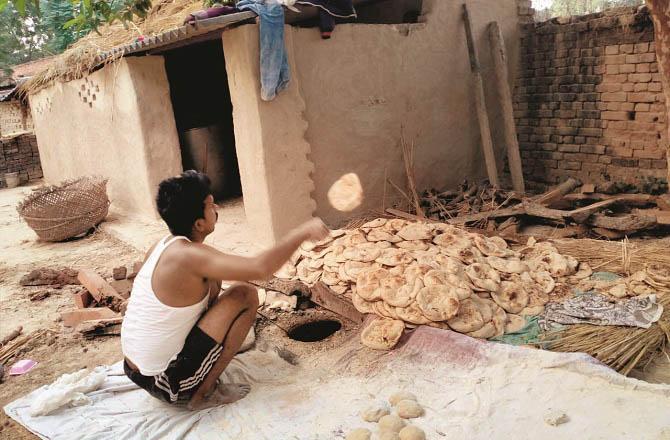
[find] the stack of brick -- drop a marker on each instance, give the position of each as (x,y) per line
(525,11)
(20,154)
(589,102)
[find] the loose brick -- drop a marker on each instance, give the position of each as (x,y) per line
(95,284)
(119,273)
(82,299)
(74,317)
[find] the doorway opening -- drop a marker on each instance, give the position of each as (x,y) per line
(204,116)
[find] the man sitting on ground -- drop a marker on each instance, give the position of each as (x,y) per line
(179,333)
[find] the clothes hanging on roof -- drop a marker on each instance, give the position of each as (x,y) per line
(275,74)
(210,13)
(328,11)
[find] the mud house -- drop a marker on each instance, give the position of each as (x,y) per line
(189,97)
(18,145)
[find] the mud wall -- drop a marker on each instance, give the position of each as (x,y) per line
(118,123)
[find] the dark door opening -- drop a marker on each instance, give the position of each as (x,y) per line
(204,114)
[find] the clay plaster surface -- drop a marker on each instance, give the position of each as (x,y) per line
(118,123)
(351,97)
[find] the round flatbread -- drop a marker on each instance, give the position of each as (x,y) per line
(414,245)
(483,276)
(435,278)
(514,323)
(490,247)
(468,319)
(330,278)
(416,270)
(486,307)
(507,265)
(362,305)
(365,253)
(376,223)
(416,231)
(437,303)
(499,320)
(381,235)
(459,285)
(469,255)
(452,240)
(353,269)
(382,334)
(412,314)
(369,282)
(403,296)
(544,280)
(511,296)
(346,194)
(394,257)
(488,330)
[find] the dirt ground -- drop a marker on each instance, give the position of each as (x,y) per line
(121,241)
(65,351)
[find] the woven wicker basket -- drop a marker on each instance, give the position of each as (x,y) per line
(63,211)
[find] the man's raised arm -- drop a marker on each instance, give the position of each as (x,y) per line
(212,264)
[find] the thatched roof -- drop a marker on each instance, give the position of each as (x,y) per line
(97,49)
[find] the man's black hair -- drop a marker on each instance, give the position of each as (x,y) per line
(181,201)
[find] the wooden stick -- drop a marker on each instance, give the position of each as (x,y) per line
(13,335)
(502,84)
(480,103)
(558,192)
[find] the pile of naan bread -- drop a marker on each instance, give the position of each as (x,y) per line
(415,273)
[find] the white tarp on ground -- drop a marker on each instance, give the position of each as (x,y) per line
(470,389)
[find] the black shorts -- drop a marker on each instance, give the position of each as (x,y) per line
(185,374)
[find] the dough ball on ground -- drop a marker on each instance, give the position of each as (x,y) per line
(514,323)
(359,434)
(382,334)
(388,435)
(511,296)
(391,423)
(374,413)
(346,194)
(412,433)
(437,303)
(400,396)
(409,409)
(468,319)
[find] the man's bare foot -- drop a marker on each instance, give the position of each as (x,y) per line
(222,394)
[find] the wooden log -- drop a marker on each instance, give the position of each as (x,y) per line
(480,103)
(100,327)
(627,222)
(558,192)
(326,298)
(13,335)
(499,54)
(608,233)
(629,199)
(537,210)
(663,202)
(662,217)
(505,212)
(580,215)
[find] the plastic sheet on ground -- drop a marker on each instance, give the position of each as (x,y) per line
(471,389)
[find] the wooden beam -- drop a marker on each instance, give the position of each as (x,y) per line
(326,298)
(505,212)
(480,103)
(626,222)
(499,54)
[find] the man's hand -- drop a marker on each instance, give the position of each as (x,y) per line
(314,230)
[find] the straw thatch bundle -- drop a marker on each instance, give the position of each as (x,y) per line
(84,55)
(622,348)
(622,257)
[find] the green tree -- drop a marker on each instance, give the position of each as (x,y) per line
(22,37)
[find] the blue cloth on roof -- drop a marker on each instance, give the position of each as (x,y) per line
(275,73)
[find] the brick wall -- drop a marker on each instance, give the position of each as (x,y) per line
(589,101)
(20,154)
